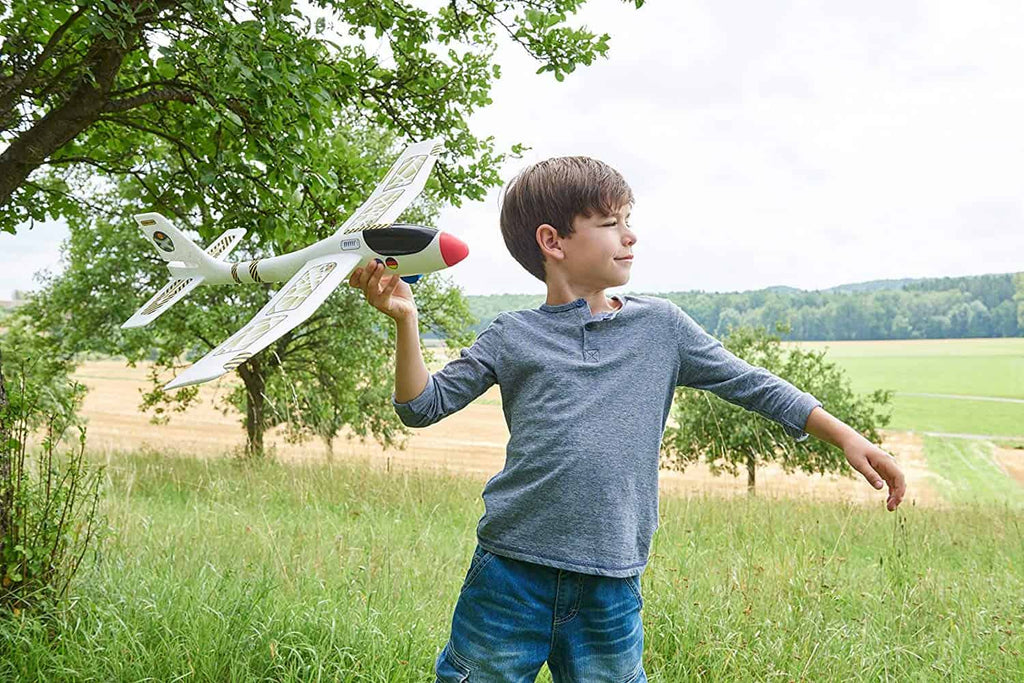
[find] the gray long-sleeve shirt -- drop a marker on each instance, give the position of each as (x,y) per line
(586,398)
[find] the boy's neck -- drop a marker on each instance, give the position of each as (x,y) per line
(596,299)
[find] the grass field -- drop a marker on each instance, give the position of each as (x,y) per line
(217,572)
(976,369)
(307,568)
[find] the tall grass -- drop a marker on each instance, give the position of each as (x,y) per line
(215,571)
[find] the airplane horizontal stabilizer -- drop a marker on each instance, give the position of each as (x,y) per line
(173,292)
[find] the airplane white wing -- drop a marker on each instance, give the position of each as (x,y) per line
(289,307)
(403,182)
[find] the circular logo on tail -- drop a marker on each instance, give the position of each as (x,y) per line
(163,241)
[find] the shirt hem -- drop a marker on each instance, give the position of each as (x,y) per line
(525,556)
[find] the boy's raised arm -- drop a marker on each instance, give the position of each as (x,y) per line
(411,373)
(422,398)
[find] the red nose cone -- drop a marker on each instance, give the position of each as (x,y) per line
(453,249)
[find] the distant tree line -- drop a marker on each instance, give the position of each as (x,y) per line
(936,308)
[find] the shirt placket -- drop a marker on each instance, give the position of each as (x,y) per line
(591,334)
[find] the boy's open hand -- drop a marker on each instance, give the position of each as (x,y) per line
(388,294)
(879,468)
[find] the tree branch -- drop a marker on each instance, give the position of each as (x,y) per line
(165,95)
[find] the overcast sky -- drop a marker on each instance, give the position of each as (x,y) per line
(767,143)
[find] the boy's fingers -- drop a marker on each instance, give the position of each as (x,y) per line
(862,465)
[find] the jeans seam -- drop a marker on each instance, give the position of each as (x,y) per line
(575,609)
(636,593)
(554,612)
(477,569)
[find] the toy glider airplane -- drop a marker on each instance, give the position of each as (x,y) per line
(310,274)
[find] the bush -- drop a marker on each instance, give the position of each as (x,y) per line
(47,503)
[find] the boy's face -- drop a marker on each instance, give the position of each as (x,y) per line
(594,253)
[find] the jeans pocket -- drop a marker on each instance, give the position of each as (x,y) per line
(450,667)
(634,585)
(480,559)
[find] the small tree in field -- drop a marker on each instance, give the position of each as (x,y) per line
(727,436)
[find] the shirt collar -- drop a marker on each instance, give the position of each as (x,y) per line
(581,302)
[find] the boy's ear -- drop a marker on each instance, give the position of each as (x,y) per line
(549,242)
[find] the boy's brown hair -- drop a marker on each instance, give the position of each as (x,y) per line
(555,191)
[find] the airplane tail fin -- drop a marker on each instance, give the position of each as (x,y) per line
(172,244)
(189,265)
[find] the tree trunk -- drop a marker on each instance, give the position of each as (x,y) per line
(751,470)
(31,149)
(255,418)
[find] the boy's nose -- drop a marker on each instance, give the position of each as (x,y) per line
(453,249)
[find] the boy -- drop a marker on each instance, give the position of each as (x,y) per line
(586,385)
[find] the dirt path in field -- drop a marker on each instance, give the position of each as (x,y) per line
(471,441)
(1012,462)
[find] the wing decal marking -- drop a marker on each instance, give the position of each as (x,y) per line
(217,247)
(237,360)
(374,210)
(253,273)
(406,172)
(168,293)
(250,333)
(303,287)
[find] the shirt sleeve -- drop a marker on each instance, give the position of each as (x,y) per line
(704,363)
(455,385)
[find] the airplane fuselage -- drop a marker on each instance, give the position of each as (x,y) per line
(403,249)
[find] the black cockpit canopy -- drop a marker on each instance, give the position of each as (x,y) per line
(399,239)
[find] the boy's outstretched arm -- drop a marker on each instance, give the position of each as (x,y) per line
(875,464)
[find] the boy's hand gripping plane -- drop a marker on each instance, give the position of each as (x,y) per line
(310,274)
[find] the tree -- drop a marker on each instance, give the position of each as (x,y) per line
(242,94)
(246,114)
(334,370)
(728,319)
(727,436)
(243,89)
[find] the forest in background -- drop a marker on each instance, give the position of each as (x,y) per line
(929,308)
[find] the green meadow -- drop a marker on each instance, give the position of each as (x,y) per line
(214,571)
(973,370)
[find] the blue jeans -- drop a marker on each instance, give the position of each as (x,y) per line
(512,616)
